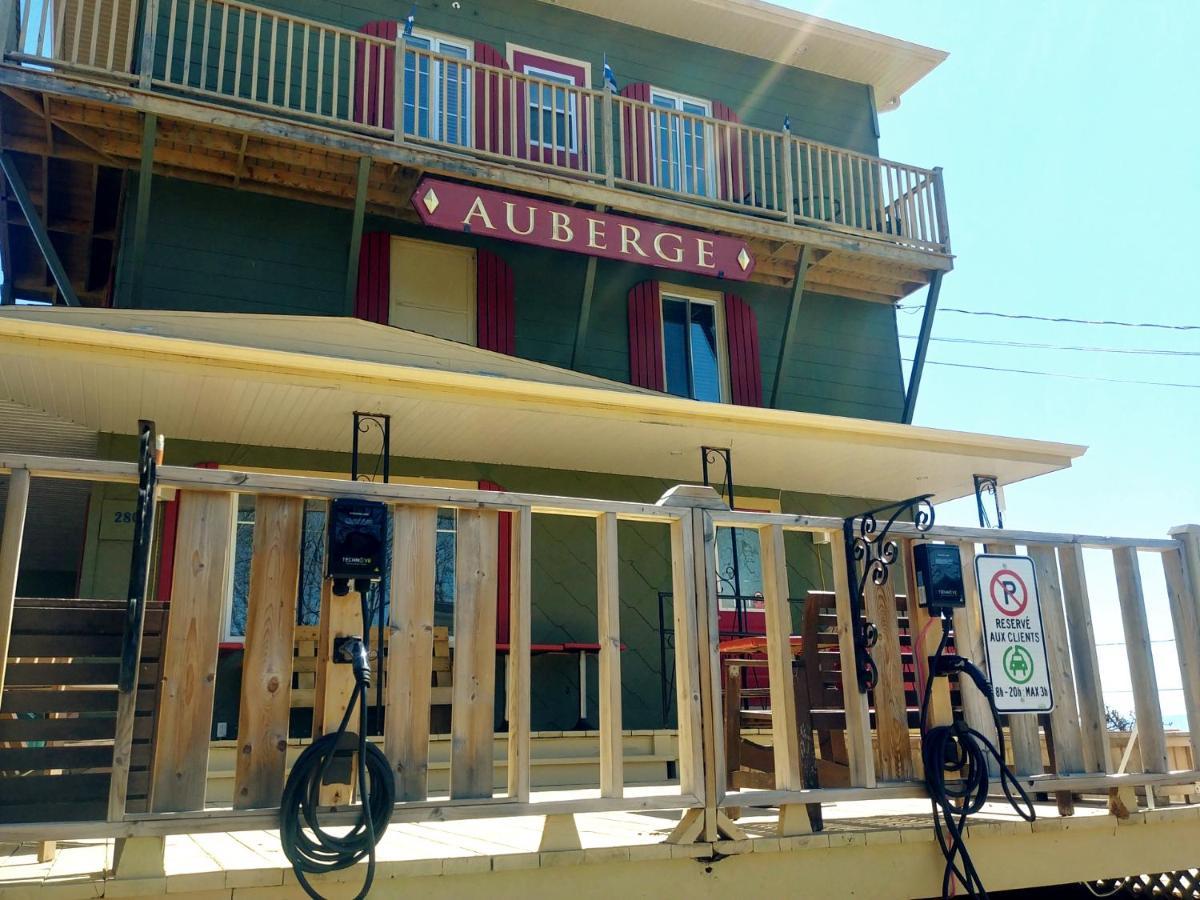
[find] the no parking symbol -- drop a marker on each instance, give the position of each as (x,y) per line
(1014,642)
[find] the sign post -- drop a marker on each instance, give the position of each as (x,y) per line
(1014,640)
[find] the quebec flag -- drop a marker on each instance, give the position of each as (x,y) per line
(610,80)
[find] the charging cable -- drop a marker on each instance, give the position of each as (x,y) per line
(961,751)
(299,807)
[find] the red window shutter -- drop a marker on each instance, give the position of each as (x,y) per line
(373,63)
(645,336)
(493,128)
(731,181)
(745,368)
(503,569)
(373,294)
(637,164)
(167,540)
(495,321)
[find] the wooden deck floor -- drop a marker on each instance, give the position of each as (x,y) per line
(251,864)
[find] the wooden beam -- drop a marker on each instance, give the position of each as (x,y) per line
(410,649)
(519,638)
(10,559)
(791,325)
(40,235)
(200,582)
(141,216)
(265,707)
(340,617)
(585,307)
(356,228)
(918,365)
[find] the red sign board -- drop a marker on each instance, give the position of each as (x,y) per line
(461,207)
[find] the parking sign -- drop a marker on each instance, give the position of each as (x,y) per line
(1013,637)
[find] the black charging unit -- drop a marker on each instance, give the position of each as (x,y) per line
(956,756)
(355,558)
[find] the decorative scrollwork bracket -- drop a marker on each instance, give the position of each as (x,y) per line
(869,557)
(363,423)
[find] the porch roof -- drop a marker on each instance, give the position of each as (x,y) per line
(293,381)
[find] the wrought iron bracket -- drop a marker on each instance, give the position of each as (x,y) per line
(986,484)
(870,554)
(363,422)
(710,456)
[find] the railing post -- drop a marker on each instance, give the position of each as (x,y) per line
(10,557)
(789,187)
(10,31)
(606,136)
(939,201)
(398,89)
(149,41)
(1182,569)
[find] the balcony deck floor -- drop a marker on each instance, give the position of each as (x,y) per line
(237,864)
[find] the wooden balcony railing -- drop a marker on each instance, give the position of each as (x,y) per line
(880,761)
(252,56)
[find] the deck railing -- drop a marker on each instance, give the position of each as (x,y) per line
(877,734)
(249,55)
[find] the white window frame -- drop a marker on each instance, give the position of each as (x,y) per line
(710,161)
(706,298)
(571,112)
(436,40)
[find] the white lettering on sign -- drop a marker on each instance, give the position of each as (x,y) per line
(1013,638)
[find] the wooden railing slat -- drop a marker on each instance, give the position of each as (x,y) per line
(1084,661)
(608,606)
(1151,738)
(785,736)
(199,584)
(1022,728)
(519,637)
(891,713)
(265,707)
(472,715)
(1065,731)
(1182,571)
(410,649)
(687,663)
(334,684)
(968,640)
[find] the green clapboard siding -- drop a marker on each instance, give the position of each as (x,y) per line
(564,565)
(215,249)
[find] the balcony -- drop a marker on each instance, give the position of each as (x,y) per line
(336,87)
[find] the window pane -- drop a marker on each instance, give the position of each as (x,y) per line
(243,550)
(312,561)
(706,371)
(443,586)
(675,346)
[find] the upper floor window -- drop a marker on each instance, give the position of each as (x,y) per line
(693,346)
(682,154)
(437,92)
(553,119)
(553,112)
(433,289)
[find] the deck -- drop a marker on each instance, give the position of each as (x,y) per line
(877,849)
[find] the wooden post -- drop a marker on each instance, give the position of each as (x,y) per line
(891,712)
(608,606)
(200,583)
(149,41)
(858,716)
(1141,661)
(924,641)
(10,559)
(340,617)
(519,639)
(265,709)
(1084,662)
(792,325)
(10,27)
(687,662)
(968,639)
(1182,569)
(410,649)
(472,718)
(38,228)
(398,89)
(356,226)
(918,365)
(789,189)
(141,216)
(606,136)
(939,200)
(585,309)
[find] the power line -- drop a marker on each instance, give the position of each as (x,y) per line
(911,309)
(1171,384)
(1034,346)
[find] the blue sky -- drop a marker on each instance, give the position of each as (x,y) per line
(1069,141)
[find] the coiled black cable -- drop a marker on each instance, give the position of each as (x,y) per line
(325,852)
(958,749)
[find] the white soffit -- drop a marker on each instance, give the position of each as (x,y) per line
(236,390)
(767,31)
